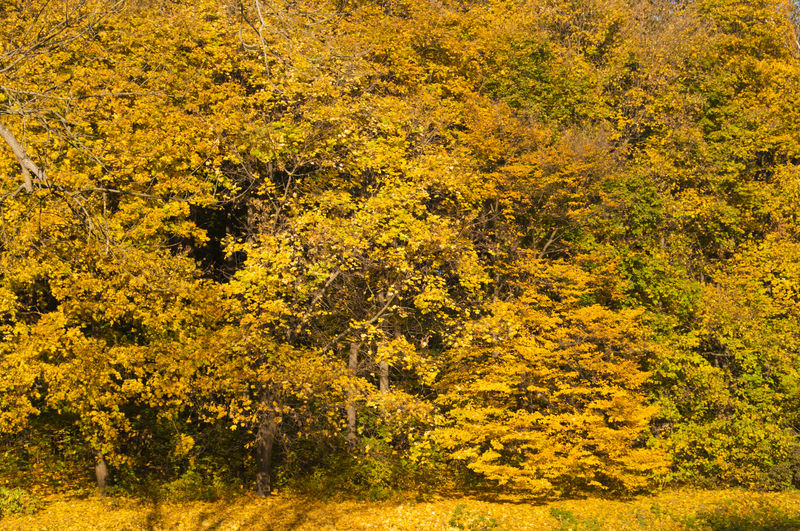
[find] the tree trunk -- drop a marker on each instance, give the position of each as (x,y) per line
(101,472)
(265,439)
(383,366)
(352,365)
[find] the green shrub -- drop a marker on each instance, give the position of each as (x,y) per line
(567,521)
(372,473)
(470,521)
(196,484)
(18,501)
(737,517)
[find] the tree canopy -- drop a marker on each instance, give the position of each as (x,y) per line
(549,247)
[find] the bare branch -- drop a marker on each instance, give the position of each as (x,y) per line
(76,22)
(307,314)
(389,299)
(553,237)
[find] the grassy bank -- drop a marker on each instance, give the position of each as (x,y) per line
(678,509)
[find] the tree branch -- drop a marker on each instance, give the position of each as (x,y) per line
(391,296)
(25,162)
(310,308)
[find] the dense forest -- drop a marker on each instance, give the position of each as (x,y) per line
(549,247)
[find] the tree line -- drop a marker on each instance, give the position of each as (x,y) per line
(548,247)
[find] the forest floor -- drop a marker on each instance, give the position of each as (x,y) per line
(675,509)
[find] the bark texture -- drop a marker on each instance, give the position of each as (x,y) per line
(101,473)
(265,440)
(352,365)
(25,162)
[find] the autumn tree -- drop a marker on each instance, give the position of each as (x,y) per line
(97,281)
